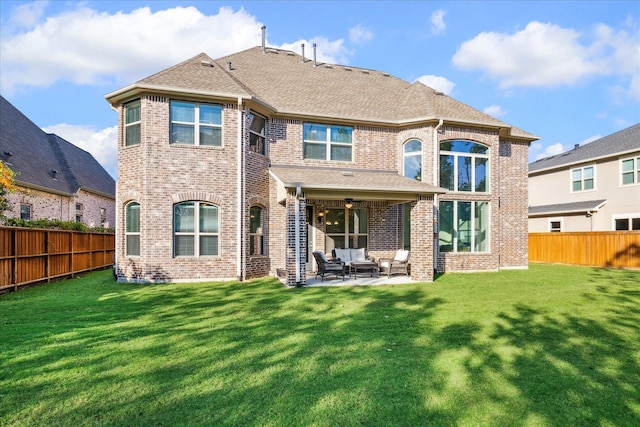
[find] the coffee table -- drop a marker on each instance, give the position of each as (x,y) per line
(363,266)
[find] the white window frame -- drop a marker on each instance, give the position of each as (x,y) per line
(196,124)
(133,124)
(456,231)
(582,178)
(128,233)
(259,233)
(258,135)
(196,233)
(406,155)
(635,171)
(30,209)
(630,217)
(551,221)
(456,156)
(328,143)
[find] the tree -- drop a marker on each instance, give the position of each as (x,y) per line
(7,185)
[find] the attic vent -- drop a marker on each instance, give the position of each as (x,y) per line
(439,93)
(365,71)
(291,54)
(346,173)
(328,66)
(386,74)
(206,63)
(347,69)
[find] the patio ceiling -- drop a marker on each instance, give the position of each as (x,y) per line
(358,184)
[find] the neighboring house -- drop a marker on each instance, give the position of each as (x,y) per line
(594,187)
(240,167)
(55,179)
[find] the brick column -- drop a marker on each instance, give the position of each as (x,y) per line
(291,240)
(422,240)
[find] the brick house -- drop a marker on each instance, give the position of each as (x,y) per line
(240,167)
(55,179)
(592,187)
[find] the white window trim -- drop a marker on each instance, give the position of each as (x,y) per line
(261,135)
(629,216)
(582,168)
(196,231)
(456,155)
(196,125)
(328,143)
(473,223)
(136,123)
(412,154)
(131,233)
(636,162)
(550,220)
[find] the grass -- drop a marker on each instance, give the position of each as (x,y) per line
(551,346)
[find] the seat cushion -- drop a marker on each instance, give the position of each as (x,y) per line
(343,254)
(358,255)
(401,255)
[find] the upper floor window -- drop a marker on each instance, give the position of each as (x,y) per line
(257,133)
(132,229)
(327,142)
(196,124)
(196,228)
(582,179)
(630,169)
(412,155)
(132,123)
(25,211)
(256,235)
(464,166)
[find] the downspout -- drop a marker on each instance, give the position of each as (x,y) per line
(297,233)
(436,168)
(240,222)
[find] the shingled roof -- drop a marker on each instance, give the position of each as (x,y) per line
(290,85)
(621,142)
(35,155)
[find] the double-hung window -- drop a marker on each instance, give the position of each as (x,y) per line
(196,124)
(630,169)
(257,133)
(327,142)
(464,166)
(196,228)
(463,226)
(132,123)
(132,229)
(582,179)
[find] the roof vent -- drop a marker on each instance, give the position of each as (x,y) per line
(315,62)
(347,69)
(229,66)
(575,147)
(264,31)
(7,155)
(386,74)
(346,173)
(54,173)
(206,63)
(302,45)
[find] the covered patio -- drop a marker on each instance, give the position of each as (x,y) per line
(330,208)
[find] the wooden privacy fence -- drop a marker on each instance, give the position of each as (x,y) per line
(29,255)
(619,249)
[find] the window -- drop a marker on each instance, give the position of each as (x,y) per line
(627,223)
(103,216)
(257,135)
(630,171)
(79,207)
(412,154)
(326,142)
(195,229)
(464,166)
(464,226)
(256,236)
(196,124)
(132,229)
(555,226)
(132,123)
(78,218)
(346,228)
(25,212)
(582,179)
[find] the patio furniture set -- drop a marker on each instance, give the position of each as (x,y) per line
(349,262)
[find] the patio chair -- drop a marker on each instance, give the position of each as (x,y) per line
(398,265)
(327,267)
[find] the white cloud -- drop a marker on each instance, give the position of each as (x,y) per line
(547,55)
(359,34)
(86,47)
(102,144)
(591,139)
(551,150)
(331,52)
(437,22)
(438,83)
(495,111)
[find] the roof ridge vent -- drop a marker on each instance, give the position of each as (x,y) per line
(346,173)
(348,69)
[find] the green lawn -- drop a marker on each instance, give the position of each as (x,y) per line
(550,346)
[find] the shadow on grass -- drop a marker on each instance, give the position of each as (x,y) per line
(257,354)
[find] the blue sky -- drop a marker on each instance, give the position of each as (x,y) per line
(566,71)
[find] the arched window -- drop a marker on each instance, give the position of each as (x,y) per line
(464,166)
(412,156)
(256,234)
(195,226)
(132,229)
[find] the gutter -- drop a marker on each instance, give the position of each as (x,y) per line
(240,221)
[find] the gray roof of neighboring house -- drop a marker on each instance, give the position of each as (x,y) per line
(35,154)
(284,83)
(626,140)
(584,206)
